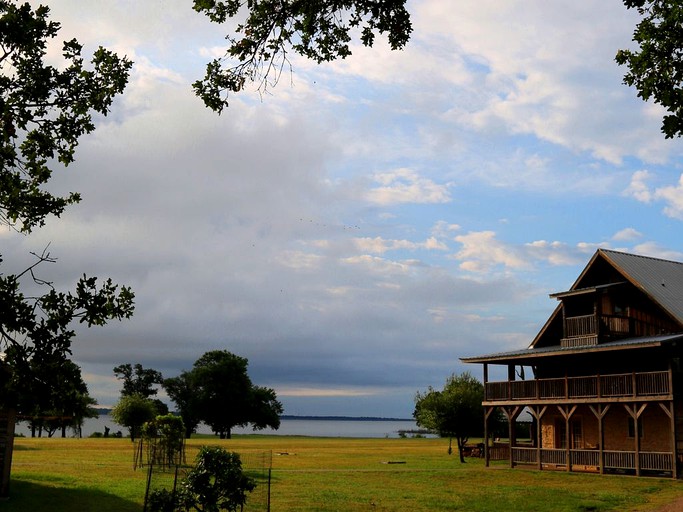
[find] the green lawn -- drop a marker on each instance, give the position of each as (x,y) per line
(319,474)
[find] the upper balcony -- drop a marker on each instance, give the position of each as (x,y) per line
(594,388)
(586,330)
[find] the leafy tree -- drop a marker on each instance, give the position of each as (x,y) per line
(655,69)
(138,380)
(219,392)
(456,411)
(56,395)
(267,30)
(44,111)
(132,412)
(182,391)
(217,482)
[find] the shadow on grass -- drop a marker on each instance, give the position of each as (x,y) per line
(34,497)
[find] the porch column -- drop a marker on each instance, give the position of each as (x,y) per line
(567,413)
(668,408)
(538,413)
(600,415)
(635,413)
(487,413)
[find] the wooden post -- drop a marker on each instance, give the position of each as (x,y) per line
(567,413)
(669,410)
(600,415)
(635,413)
(538,413)
(487,414)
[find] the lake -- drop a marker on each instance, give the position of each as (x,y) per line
(288,427)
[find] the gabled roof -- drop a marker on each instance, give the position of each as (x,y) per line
(660,280)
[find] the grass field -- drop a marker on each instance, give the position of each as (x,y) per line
(321,474)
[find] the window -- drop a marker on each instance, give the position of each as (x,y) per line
(632,428)
(576,430)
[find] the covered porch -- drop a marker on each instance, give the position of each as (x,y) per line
(623,422)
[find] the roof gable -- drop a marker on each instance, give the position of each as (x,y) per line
(660,280)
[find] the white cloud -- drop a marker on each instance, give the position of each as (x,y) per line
(626,235)
(638,188)
(481,252)
(379,245)
(406,186)
(671,195)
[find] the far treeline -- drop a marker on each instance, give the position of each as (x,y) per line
(216,391)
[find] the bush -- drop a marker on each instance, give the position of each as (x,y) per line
(215,483)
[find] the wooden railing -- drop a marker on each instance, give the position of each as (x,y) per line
(586,330)
(638,384)
(615,460)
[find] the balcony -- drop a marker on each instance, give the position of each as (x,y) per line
(585,330)
(619,387)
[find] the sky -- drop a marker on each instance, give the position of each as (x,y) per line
(364,224)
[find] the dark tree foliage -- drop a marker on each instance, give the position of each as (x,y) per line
(655,69)
(219,392)
(55,396)
(138,380)
(456,411)
(43,113)
(44,110)
(181,390)
(267,30)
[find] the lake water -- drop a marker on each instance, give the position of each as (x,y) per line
(288,427)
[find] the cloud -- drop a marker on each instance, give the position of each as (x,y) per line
(406,186)
(378,245)
(626,235)
(671,195)
(638,188)
(324,392)
(481,252)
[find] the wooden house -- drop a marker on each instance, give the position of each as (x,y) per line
(603,379)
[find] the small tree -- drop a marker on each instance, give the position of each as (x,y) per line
(164,439)
(456,411)
(132,412)
(216,482)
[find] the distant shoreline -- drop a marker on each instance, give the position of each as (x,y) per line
(341,418)
(103,411)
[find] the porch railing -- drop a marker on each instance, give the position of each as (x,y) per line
(616,460)
(638,384)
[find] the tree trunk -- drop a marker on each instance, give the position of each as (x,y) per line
(461,446)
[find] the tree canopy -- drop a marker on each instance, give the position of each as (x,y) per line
(138,380)
(132,412)
(44,111)
(267,31)
(655,68)
(456,411)
(219,392)
(181,390)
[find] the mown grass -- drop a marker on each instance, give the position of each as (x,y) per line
(321,474)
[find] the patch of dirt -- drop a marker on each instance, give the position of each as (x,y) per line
(676,506)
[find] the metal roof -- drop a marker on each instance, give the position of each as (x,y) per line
(661,280)
(530,353)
